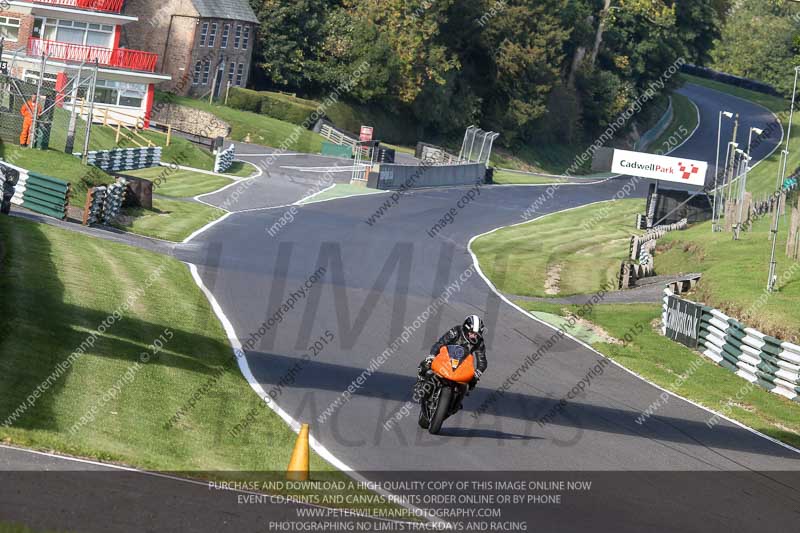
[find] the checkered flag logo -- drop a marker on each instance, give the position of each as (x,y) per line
(686,174)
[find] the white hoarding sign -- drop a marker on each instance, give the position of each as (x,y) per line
(660,167)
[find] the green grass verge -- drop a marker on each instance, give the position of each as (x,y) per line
(340,190)
(504,177)
(102,137)
(521,259)
(259,129)
(735,274)
(7,527)
(664,362)
(58,287)
(515,259)
(171,220)
(58,165)
(180,183)
(684,121)
(241,169)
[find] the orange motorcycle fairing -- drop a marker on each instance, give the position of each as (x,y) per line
(458,370)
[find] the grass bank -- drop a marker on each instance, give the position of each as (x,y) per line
(104,138)
(251,127)
(572,252)
(58,165)
(681,370)
(171,220)
(516,264)
(735,274)
(180,183)
(340,190)
(59,287)
(505,177)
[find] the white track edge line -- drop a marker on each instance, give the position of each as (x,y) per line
(529,315)
(244,367)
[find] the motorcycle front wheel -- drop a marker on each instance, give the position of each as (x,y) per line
(441,410)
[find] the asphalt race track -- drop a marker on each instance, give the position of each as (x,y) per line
(378,278)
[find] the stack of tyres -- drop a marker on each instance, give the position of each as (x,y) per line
(112,202)
(124,158)
(224,159)
(94,206)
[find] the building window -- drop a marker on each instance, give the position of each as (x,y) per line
(212,37)
(239,74)
(32,76)
(237,36)
(9,28)
(226,30)
(196,78)
(203,33)
(206,71)
(231,70)
(120,93)
(74,32)
(246,38)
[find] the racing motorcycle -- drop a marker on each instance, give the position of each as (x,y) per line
(445,386)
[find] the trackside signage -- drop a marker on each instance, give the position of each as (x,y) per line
(660,167)
(683,321)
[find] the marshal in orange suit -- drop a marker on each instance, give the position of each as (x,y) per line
(27,111)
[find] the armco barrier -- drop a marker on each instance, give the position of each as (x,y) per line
(224,159)
(43,194)
(750,354)
(124,158)
(392,176)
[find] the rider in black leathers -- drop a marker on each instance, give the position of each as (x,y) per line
(469,336)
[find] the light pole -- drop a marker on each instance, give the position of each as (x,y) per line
(773,264)
(727,180)
(743,182)
(745,160)
(716,170)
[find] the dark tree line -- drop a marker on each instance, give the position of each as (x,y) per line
(553,70)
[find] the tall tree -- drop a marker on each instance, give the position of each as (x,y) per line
(289,39)
(760,40)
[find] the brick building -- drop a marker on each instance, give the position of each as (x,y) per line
(70,32)
(201,43)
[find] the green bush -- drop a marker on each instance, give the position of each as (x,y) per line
(244,99)
(389,127)
(275,105)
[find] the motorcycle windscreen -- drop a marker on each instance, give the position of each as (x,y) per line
(453,363)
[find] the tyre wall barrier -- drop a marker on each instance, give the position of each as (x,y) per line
(640,263)
(760,359)
(224,159)
(393,176)
(42,194)
(104,203)
(124,158)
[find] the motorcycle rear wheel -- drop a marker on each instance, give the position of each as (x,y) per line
(442,408)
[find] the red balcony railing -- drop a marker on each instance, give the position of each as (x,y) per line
(109,6)
(121,57)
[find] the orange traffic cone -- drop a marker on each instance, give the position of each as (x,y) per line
(298,464)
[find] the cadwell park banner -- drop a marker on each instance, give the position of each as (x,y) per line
(660,167)
(682,321)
